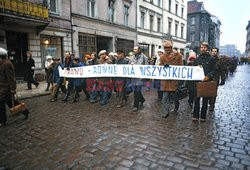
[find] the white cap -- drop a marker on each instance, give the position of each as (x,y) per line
(3,53)
(160,50)
(102,52)
(48,57)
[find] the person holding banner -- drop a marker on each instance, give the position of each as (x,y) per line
(209,65)
(102,86)
(120,83)
(169,87)
(138,59)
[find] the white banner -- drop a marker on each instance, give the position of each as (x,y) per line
(135,71)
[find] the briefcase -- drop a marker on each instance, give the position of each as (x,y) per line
(206,89)
(17,107)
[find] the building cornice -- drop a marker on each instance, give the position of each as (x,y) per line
(175,39)
(175,15)
(102,22)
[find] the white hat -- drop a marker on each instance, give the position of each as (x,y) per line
(3,53)
(102,52)
(48,57)
(160,50)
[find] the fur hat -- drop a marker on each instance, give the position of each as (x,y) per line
(167,43)
(102,52)
(48,57)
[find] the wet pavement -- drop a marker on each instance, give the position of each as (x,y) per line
(83,135)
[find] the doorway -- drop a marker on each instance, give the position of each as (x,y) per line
(17,45)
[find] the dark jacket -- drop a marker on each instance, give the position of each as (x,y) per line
(56,77)
(208,63)
(7,79)
(121,61)
(29,72)
(77,82)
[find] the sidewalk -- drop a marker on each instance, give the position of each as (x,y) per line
(23,93)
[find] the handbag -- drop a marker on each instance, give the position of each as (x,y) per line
(19,107)
(206,89)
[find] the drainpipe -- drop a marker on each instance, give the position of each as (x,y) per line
(71,27)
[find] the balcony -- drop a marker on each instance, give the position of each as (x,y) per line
(23,13)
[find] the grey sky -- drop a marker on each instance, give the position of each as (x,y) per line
(234,16)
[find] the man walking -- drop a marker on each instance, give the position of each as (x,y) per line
(169,87)
(138,59)
(209,65)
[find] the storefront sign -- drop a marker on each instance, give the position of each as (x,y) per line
(136,71)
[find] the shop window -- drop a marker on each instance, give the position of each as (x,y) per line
(51,46)
(87,44)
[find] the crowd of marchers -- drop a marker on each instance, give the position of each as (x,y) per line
(216,68)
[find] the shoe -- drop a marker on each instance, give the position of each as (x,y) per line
(141,104)
(37,85)
(135,109)
(53,100)
(118,106)
(103,103)
(26,114)
(211,108)
(64,100)
(2,124)
(92,101)
(73,101)
(165,116)
(46,89)
(202,120)
(222,83)
(195,119)
(29,89)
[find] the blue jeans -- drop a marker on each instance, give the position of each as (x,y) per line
(104,93)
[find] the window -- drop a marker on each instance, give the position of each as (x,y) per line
(158,24)
(192,37)
(87,44)
(159,2)
(169,27)
(142,19)
(126,15)
(145,49)
(169,5)
(50,45)
(151,22)
(182,12)
(176,9)
(182,31)
(192,20)
(52,5)
(111,10)
(176,29)
(91,8)
(202,36)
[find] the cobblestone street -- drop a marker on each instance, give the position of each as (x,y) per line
(83,135)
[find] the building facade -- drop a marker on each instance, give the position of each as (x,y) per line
(159,20)
(202,26)
(175,22)
(41,26)
(229,50)
(103,25)
(248,40)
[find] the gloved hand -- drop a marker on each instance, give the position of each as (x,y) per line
(206,78)
(166,66)
(68,68)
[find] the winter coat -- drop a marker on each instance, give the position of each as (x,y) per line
(174,58)
(140,59)
(208,63)
(7,79)
(77,82)
(29,70)
(56,77)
